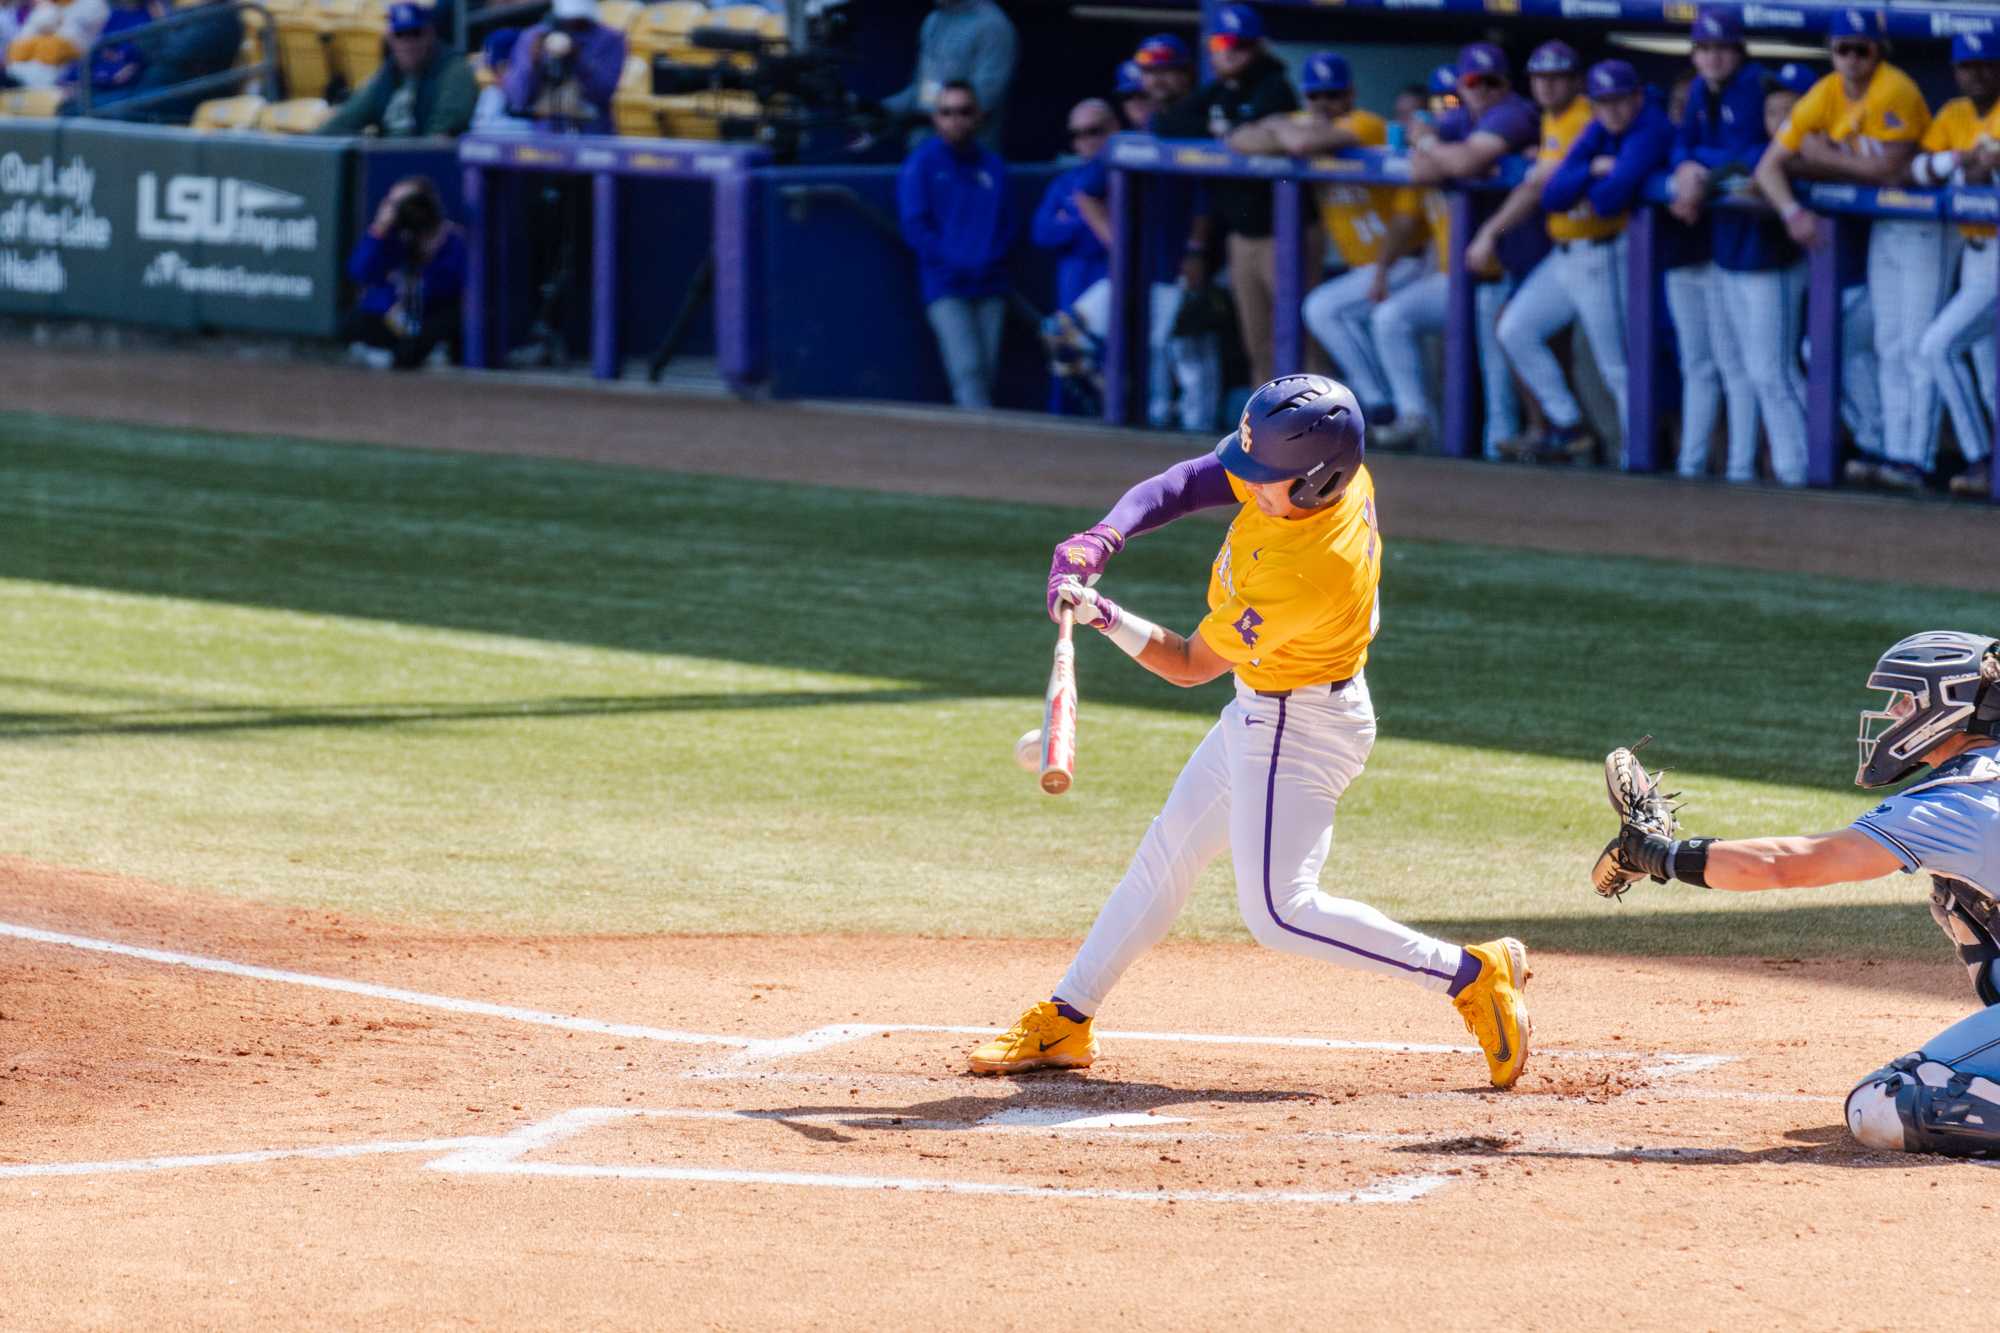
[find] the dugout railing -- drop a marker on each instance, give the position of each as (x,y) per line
(1136,160)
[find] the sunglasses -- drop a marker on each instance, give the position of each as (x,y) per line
(1226,41)
(1089,131)
(1854,50)
(1324,97)
(1482,81)
(954,112)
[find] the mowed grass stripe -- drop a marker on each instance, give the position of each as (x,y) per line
(541,695)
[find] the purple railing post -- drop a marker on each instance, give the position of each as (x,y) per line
(1287,333)
(1125,341)
(738,250)
(477,289)
(604,276)
(1461,339)
(1642,360)
(1823,375)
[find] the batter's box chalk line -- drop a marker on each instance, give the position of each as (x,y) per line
(750,1053)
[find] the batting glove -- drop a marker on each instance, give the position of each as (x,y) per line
(1083,558)
(1090,606)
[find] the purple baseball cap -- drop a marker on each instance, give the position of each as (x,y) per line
(1326,72)
(1162,50)
(1612,78)
(1968,47)
(1239,22)
(1554,58)
(406,17)
(1718,27)
(1482,58)
(1854,23)
(1793,77)
(1444,79)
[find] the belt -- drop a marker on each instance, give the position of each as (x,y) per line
(1332,687)
(1586,240)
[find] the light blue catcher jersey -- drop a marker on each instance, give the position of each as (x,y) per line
(1948,824)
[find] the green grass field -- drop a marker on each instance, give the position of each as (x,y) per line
(521,695)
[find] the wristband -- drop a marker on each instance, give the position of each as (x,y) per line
(1687,861)
(1131,633)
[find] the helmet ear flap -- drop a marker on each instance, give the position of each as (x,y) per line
(1313,490)
(1985,720)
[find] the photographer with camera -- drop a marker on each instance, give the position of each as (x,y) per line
(565,69)
(410,264)
(423,88)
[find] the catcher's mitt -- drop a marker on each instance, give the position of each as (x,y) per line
(1643,812)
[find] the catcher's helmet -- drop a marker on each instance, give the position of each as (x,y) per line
(1306,427)
(1939,682)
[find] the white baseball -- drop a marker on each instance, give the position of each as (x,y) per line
(1028,750)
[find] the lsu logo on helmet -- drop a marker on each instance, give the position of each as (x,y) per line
(1243,432)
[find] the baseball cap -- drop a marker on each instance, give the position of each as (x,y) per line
(1719,27)
(1444,79)
(499,46)
(1612,78)
(1162,50)
(1128,81)
(566,10)
(1854,23)
(1237,23)
(1326,72)
(406,17)
(1793,77)
(1482,58)
(1971,46)
(1553,58)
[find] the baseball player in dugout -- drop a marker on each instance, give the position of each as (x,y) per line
(1960,148)
(1293,606)
(1864,124)
(1942,713)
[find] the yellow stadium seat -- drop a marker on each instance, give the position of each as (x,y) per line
(618,14)
(36,103)
(300,115)
(662,30)
(357,33)
(229,113)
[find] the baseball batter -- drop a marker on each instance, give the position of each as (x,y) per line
(1942,713)
(1293,606)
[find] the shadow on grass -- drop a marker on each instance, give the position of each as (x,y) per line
(227,717)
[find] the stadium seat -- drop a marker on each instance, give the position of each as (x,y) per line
(304,60)
(618,14)
(229,113)
(358,28)
(300,115)
(31,102)
(662,30)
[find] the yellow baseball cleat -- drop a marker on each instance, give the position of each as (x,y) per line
(1495,1009)
(1043,1039)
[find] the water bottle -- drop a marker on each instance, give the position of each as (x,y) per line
(1397,140)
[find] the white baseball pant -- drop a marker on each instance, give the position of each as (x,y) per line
(1340,315)
(1906,268)
(1400,324)
(1583,283)
(1263,783)
(1965,323)
(1712,371)
(1195,364)
(1762,308)
(1860,369)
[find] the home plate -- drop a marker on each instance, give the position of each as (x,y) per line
(1058,1117)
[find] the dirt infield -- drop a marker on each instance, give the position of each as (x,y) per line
(782,1136)
(218,1115)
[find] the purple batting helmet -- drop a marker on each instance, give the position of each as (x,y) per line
(1306,429)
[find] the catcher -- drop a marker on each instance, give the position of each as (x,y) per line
(1943,712)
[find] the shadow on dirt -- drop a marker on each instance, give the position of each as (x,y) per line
(1819,1145)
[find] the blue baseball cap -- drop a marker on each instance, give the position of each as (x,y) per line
(1554,58)
(406,17)
(1162,50)
(1482,58)
(1792,77)
(1130,79)
(1444,79)
(499,46)
(1718,27)
(1970,46)
(1855,23)
(1326,72)
(1612,78)
(1238,23)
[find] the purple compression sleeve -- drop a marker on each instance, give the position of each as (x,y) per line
(1198,483)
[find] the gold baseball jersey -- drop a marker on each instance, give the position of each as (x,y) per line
(1293,601)
(1559,131)
(1957,128)
(1356,217)
(1890,110)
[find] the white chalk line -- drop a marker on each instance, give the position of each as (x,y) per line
(1661,1064)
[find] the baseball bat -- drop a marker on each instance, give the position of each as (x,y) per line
(1059,711)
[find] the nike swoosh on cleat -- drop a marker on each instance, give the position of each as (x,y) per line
(1499,1027)
(1057,1042)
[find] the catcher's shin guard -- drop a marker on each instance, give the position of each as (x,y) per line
(1916,1105)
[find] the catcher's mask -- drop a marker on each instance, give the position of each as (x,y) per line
(1938,682)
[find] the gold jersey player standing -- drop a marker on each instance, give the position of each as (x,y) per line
(1292,608)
